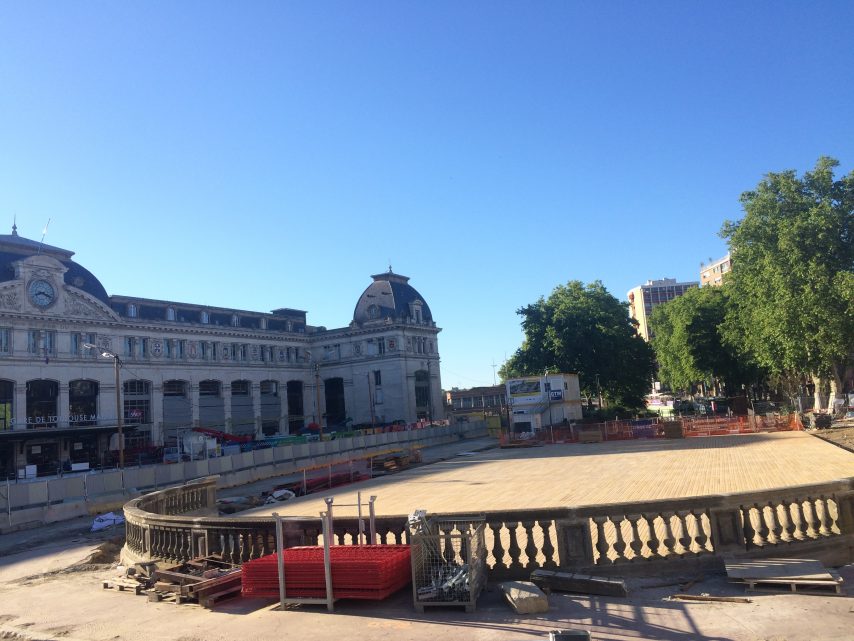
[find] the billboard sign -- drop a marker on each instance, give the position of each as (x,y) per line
(523,387)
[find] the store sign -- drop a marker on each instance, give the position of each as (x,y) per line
(38,420)
(78,418)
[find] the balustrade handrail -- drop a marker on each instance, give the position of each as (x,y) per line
(136,510)
(727,500)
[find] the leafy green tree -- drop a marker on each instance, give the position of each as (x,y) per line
(689,346)
(584,329)
(792,283)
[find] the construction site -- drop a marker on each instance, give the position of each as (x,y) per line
(741,535)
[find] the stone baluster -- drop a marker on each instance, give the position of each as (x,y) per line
(530,545)
(636,543)
(749,532)
(514,549)
(685,538)
(774,522)
(497,546)
(548,546)
(763,530)
(602,546)
(789,526)
(654,542)
(669,538)
(447,545)
(812,519)
(825,519)
(700,536)
(803,522)
(620,544)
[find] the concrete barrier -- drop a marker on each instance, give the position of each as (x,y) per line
(55,499)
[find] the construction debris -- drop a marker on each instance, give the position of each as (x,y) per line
(803,576)
(524,597)
(549,580)
(711,599)
(205,580)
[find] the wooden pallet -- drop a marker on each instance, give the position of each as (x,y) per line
(797,585)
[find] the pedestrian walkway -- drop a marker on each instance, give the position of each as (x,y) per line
(612,472)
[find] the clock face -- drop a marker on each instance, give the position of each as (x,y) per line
(41,293)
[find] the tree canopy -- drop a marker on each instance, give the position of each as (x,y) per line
(586,330)
(689,346)
(792,283)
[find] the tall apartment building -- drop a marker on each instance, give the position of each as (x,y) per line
(713,273)
(644,298)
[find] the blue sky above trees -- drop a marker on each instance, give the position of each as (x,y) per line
(276,154)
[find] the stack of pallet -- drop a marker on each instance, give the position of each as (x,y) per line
(803,576)
(358,572)
(206,580)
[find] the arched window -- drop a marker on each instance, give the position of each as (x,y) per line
(205,318)
(170,313)
(235,320)
(82,402)
(373,311)
(131,310)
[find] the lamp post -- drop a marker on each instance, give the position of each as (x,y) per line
(116,364)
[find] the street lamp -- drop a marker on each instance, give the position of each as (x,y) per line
(117,364)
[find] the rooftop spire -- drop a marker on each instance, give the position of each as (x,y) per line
(14,225)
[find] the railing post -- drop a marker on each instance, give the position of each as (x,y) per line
(727,530)
(574,544)
(845,506)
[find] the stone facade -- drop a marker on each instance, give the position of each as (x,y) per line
(184,366)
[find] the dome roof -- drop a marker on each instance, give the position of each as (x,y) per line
(391,296)
(14,248)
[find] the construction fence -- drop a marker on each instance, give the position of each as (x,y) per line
(652,428)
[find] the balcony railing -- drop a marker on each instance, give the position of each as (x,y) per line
(815,521)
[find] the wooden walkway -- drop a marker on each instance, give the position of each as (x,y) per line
(614,472)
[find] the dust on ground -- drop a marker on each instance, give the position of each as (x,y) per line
(841,436)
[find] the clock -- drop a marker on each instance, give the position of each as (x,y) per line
(41,293)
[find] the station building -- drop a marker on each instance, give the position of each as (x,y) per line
(181,366)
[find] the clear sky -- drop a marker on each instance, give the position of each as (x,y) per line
(276,154)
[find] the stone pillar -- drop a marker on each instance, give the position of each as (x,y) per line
(727,533)
(845,505)
(255,392)
(575,547)
(226,406)
(157,435)
(193,391)
(62,409)
(20,408)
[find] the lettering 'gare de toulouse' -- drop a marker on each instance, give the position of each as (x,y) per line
(191,365)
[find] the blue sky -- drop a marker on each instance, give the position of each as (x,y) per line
(276,154)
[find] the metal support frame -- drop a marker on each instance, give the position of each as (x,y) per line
(326,523)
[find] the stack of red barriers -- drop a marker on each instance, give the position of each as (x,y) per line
(358,572)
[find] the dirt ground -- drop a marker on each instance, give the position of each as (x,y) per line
(841,436)
(51,590)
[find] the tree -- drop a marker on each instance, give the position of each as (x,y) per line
(689,346)
(792,283)
(587,331)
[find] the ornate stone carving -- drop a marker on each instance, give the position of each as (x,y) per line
(10,300)
(77,305)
